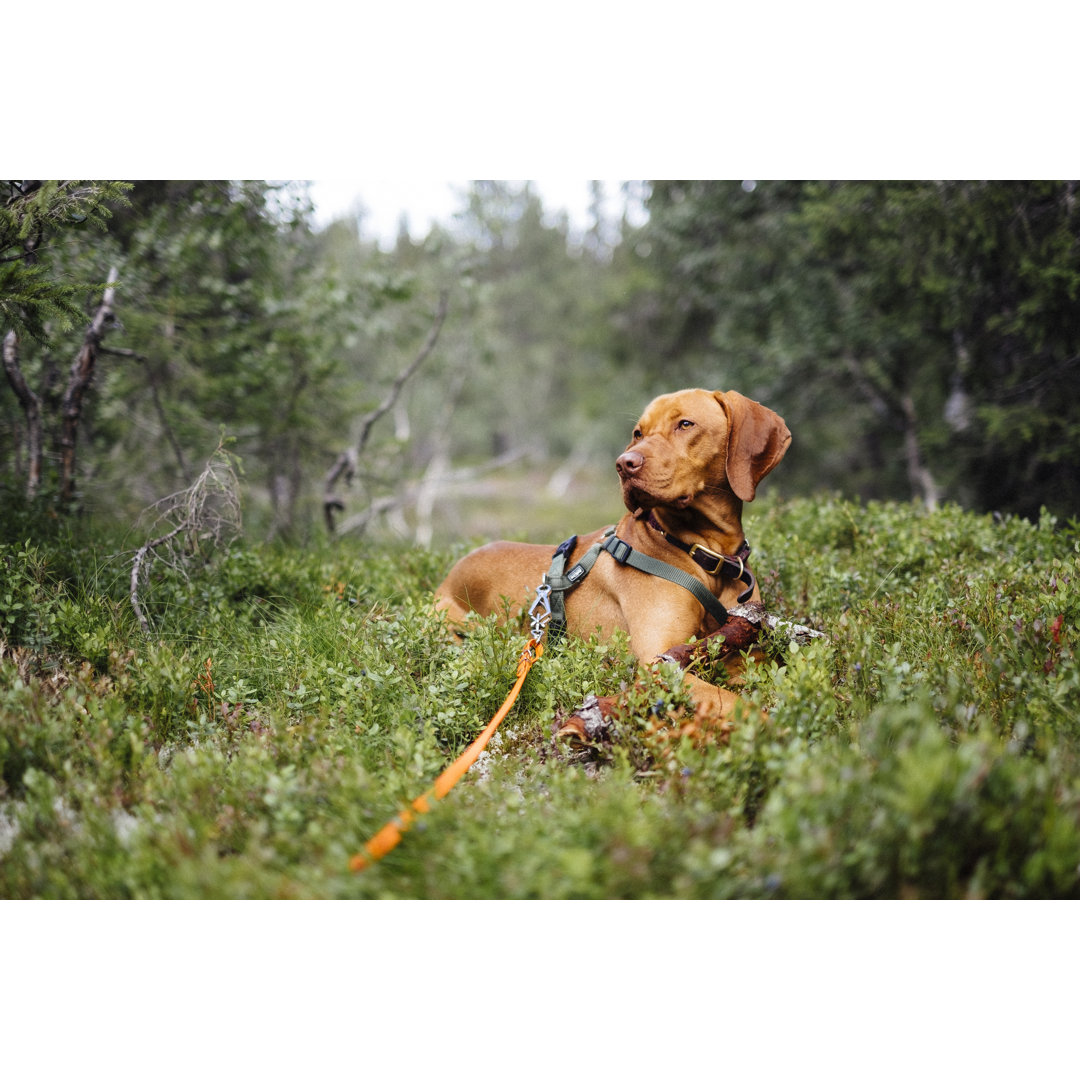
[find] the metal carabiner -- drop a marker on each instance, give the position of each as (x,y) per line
(540,612)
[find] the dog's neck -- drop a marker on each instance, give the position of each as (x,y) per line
(693,526)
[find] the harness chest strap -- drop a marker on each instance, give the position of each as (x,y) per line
(625,555)
(560,580)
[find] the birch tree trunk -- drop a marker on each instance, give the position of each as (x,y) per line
(31,407)
(919,474)
(82,374)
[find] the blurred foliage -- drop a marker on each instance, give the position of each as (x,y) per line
(920,338)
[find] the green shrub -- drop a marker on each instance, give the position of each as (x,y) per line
(286,703)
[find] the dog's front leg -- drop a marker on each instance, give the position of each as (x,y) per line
(714,706)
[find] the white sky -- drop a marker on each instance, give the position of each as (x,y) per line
(426,202)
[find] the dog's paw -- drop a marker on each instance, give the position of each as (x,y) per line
(590,723)
(683,655)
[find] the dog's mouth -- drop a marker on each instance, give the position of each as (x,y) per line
(636,496)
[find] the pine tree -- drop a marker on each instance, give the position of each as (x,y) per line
(34,215)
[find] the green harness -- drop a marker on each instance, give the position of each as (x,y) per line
(560,580)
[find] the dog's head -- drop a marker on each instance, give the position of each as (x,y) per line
(696,443)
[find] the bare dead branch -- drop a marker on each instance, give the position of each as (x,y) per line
(344,466)
(136,572)
(899,405)
(346,463)
(387,504)
(203,517)
(368,422)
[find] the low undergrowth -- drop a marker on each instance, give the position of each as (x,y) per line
(288,702)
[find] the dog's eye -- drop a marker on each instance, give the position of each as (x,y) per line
(637,433)
(686,423)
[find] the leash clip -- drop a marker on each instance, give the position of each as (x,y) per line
(540,612)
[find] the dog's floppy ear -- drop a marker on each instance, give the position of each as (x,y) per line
(757,441)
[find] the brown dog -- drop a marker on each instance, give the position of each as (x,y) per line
(694,459)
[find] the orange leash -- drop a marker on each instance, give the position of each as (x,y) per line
(389,836)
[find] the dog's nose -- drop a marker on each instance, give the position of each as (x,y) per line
(629,463)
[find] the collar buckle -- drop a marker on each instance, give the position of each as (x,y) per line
(710,561)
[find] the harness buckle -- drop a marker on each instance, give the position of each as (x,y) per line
(618,549)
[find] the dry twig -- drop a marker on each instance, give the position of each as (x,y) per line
(204,516)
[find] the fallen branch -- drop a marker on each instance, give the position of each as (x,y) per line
(742,629)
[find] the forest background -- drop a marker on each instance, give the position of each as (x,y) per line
(922,340)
